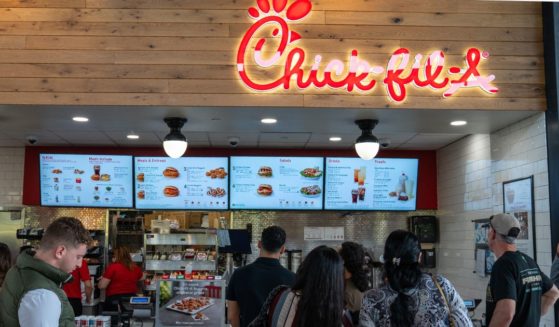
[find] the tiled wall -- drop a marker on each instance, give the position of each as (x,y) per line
(11,176)
(470,176)
(41,217)
(370,229)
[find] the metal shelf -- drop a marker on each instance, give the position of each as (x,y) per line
(151,265)
(181,239)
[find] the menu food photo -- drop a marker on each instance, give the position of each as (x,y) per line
(190,302)
(378,184)
(183,183)
(290,183)
(86,180)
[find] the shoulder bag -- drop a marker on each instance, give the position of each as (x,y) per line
(452,324)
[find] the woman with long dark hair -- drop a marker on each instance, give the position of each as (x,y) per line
(5,261)
(411,297)
(355,277)
(316,298)
(120,279)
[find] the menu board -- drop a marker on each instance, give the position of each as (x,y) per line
(378,184)
(184,183)
(290,183)
(86,180)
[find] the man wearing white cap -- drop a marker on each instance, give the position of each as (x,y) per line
(518,292)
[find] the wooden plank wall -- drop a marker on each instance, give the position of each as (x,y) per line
(182,52)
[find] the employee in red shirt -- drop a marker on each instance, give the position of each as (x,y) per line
(120,279)
(73,289)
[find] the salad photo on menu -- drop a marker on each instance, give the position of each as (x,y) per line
(311,173)
(311,191)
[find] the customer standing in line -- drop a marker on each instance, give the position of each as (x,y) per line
(518,292)
(411,297)
(32,294)
(356,281)
(74,291)
(316,298)
(120,279)
(250,285)
(5,261)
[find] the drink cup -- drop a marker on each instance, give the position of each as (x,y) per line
(409,187)
(97,169)
(355,175)
(354,195)
(361,194)
(362,175)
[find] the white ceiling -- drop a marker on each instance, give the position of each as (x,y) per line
(301,128)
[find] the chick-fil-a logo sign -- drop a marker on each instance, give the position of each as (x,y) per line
(360,75)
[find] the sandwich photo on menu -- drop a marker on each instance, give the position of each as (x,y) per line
(265,189)
(265,171)
(171,191)
(171,172)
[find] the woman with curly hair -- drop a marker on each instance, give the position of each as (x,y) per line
(356,281)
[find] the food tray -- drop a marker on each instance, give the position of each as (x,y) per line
(173,306)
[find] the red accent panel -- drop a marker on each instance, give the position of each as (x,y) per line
(426,184)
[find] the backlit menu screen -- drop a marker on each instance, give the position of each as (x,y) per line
(378,184)
(289,183)
(183,183)
(86,180)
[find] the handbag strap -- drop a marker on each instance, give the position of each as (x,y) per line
(444,298)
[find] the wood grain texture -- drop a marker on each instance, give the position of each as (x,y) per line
(183,52)
(334,5)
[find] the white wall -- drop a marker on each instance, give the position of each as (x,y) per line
(11,176)
(470,176)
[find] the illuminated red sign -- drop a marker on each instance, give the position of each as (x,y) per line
(357,74)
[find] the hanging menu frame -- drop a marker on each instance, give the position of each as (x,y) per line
(185,208)
(279,208)
(82,175)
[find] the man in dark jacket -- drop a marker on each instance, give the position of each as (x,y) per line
(250,285)
(32,293)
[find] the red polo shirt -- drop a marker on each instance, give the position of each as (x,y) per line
(123,280)
(73,288)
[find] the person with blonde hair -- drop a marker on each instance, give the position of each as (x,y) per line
(120,279)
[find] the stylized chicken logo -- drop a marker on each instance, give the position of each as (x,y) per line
(356,73)
(278,13)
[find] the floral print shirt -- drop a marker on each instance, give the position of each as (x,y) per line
(428,305)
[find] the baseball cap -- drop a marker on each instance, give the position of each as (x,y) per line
(505,224)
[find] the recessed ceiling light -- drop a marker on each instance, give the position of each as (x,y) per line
(269,121)
(458,123)
(80,119)
(335,139)
(133,136)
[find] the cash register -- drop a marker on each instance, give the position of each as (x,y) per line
(471,304)
(136,309)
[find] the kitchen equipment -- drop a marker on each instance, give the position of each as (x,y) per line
(295,259)
(284,260)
